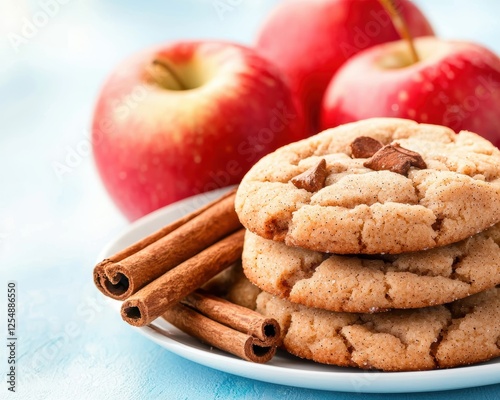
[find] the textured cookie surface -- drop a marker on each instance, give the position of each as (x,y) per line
(374,283)
(360,210)
(460,333)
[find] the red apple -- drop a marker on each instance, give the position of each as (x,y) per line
(188,118)
(310,40)
(456,84)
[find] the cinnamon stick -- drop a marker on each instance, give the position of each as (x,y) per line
(154,299)
(244,320)
(123,274)
(218,335)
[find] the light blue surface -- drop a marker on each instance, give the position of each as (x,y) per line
(71,345)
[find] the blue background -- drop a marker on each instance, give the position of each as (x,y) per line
(71,345)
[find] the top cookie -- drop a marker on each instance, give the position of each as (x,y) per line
(348,208)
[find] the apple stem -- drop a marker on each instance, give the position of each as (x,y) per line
(159,75)
(400,24)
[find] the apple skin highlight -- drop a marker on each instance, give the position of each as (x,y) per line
(155,143)
(455,84)
(310,40)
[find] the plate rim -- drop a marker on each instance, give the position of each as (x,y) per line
(374,381)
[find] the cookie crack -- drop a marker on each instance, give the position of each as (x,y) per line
(440,337)
(348,345)
(388,288)
(277,227)
(436,226)
(435,345)
(370,323)
(420,193)
(306,271)
(350,292)
(457,260)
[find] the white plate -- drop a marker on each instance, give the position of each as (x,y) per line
(283,368)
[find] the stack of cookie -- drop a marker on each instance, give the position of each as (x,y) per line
(376,245)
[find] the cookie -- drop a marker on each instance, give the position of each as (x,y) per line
(460,333)
(233,285)
(347,207)
(374,283)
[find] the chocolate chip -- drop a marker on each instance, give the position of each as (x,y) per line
(365,147)
(396,159)
(312,179)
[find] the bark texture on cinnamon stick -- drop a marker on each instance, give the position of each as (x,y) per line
(131,269)
(234,316)
(215,334)
(154,299)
